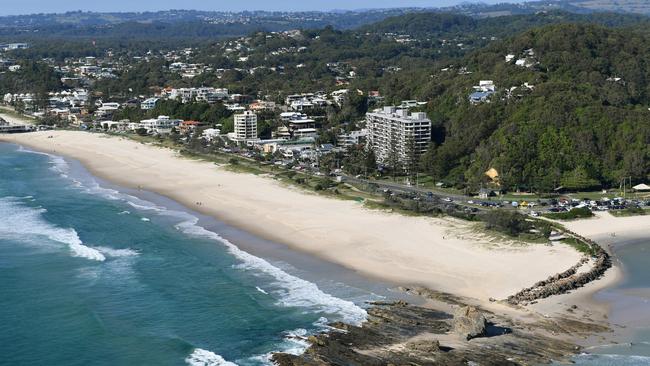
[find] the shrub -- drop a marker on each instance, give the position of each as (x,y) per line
(576,213)
(508,222)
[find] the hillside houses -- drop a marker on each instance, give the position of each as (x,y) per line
(202,94)
(526,59)
(149,103)
(482,92)
(296,125)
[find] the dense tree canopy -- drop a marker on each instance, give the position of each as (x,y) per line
(585,123)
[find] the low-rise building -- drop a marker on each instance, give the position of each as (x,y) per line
(159,126)
(106,110)
(352,138)
(149,104)
(189,126)
(210,134)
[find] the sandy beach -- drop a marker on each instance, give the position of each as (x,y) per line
(440,253)
(606,228)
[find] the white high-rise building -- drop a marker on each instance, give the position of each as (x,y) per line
(397,136)
(245,126)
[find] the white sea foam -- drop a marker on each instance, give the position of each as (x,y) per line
(92,187)
(61,166)
(297,341)
(31,222)
(58,164)
(294,291)
(261,290)
(145,219)
(201,357)
(142,205)
(294,343)
(118,253)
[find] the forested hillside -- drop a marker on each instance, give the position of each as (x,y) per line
(584,124)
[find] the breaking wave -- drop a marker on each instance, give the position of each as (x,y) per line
(294,291)
(201,357)
(288,290)
(118,253)
(21,221)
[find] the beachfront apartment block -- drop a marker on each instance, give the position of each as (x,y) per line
(397,136)
(245,126)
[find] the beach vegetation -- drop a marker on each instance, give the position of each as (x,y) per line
(508,222)
(630,211)
(573,214)
(579,245)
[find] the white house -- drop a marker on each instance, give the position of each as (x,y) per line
(160,126)
(149,103)
(107,109)
(210,134)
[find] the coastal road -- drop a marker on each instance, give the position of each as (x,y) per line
(458,198)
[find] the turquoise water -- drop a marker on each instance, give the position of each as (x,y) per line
(89,275)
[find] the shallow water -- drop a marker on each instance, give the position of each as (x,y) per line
(93,275)
(630,310)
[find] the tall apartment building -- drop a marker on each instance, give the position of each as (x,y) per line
(245,126)
(397,136)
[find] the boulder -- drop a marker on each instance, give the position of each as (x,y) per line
(469,322)
(426,347)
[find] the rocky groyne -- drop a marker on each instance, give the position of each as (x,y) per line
(568,280)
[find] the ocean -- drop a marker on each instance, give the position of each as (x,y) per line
(92,274)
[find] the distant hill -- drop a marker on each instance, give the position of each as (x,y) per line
(450,25)
(623,6)
(179,24)
(482,10)
(260,19)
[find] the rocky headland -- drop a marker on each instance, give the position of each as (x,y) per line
(397,333)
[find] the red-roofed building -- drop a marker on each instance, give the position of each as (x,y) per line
(188,126)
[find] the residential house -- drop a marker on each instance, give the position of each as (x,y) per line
(149,103)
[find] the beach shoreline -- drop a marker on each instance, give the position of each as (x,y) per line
(307,267)
(350,235)
(399,249)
